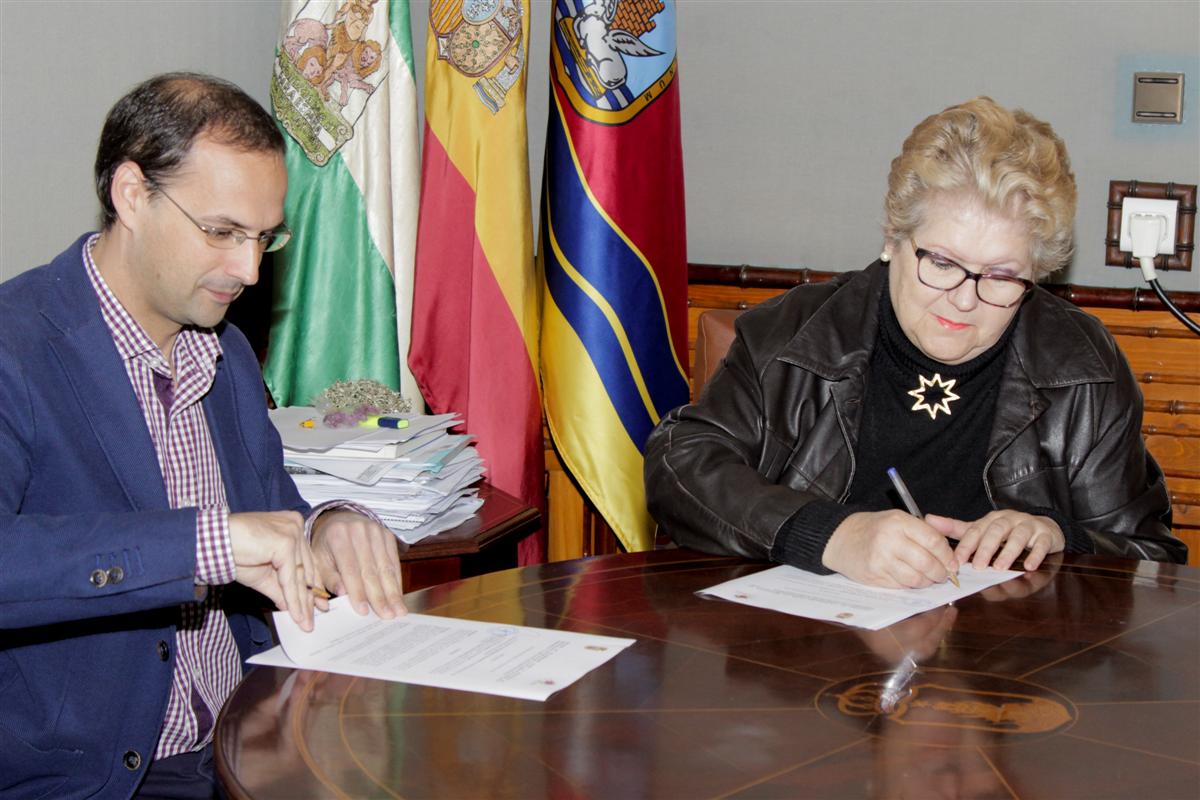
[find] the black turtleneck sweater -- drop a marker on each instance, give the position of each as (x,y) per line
(938,442)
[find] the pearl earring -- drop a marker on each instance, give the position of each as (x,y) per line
(885,257)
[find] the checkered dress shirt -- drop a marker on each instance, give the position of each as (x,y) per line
(207,663)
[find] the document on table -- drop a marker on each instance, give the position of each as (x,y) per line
(506,660)
(836,598)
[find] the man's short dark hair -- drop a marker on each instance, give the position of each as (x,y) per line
(155,125)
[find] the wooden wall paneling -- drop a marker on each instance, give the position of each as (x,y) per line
(1171,424)
(1161,393)
(1185,516)
(1174,356)
(1190,537)
(1177,455)
(727,296)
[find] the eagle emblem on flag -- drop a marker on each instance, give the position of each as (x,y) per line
(620,58)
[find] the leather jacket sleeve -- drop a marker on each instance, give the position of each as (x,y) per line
(712,468)
(1117,490)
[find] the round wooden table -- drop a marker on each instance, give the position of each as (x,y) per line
(1079,680)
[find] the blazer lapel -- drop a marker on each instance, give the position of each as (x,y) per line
(93,369)
(107,401)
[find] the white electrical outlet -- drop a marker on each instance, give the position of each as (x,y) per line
(1140,205)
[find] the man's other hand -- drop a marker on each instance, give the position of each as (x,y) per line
(359,558)
(273,557)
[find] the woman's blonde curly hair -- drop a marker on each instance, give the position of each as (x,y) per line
(1010,161)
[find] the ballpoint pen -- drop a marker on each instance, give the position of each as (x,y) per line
(911,505)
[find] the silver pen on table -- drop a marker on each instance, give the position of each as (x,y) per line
(911,505)
(896,690)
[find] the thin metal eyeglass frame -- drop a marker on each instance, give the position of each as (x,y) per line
(1026,284)
(240,237)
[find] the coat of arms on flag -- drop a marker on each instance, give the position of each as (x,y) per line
(481,39)
(622,55)
(329,65)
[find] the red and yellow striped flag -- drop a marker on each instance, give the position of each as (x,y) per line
(475,317)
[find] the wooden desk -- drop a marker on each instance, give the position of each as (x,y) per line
(1080,680)
(485,543)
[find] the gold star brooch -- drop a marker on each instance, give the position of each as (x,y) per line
(943,404)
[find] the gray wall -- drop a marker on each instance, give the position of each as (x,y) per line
(792,110)
(62,66)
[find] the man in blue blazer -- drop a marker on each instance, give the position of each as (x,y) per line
(144,508)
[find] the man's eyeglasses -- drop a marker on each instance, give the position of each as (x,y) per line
(229,238)
(939,272)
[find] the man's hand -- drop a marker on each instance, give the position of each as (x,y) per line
(1002,534)
(273,557)
(359,557)
(890,549)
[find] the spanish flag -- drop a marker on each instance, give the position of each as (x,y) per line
(475,318)
(613,248)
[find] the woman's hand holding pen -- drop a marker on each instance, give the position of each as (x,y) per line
(273,557)
(892,549)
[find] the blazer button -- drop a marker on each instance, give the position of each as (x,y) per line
(132,760)
(115,574)
(98,578)
(164,652)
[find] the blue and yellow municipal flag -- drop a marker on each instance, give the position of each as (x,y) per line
(343,92)
(613,249)
(475,322)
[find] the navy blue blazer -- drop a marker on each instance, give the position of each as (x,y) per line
(85,671)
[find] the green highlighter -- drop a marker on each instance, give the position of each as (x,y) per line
(380,421)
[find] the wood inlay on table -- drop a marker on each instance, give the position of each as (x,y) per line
(1079,680)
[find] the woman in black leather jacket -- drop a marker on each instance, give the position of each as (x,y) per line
(1011,414)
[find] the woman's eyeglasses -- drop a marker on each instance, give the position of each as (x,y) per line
(939,272)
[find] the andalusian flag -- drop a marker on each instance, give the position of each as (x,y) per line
(613,250)
(475,317)
(343,91)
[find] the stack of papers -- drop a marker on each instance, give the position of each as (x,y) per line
(418,479)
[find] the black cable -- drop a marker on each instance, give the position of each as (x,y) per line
(1179,315)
